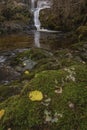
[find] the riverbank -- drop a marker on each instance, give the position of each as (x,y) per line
(60,76)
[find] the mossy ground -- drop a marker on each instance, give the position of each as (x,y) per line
(64,87)
(9,90)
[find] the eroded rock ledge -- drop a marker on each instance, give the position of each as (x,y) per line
(64,15)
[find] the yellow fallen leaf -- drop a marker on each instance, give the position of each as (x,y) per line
(27,72)
(36,95)
(2,112)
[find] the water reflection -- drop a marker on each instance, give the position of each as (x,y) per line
(41,39)
(37,39)
(50,40)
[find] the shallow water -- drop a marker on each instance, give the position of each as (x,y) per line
(11,45)
(45,40)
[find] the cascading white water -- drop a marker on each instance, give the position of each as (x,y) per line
(36,7)
(41,4)
(36,19)
(37,39)
(32,5)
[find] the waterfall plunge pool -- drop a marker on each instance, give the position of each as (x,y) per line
(42,39)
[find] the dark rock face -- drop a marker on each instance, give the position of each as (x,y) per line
(65,14)
(14,16)
(8,73)
(61,77)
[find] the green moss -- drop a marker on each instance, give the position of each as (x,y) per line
(22,113)
(11,10)
(46,64)
(78,45)
(82,32)
(81,72)
(67,58)
(33,54)
(49,21)
(36,54)
(9,90)
(51,74)
(2,18)
(1,128)
(14,16)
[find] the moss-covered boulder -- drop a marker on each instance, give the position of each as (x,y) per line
(82,32)
(10,89)
(63,105)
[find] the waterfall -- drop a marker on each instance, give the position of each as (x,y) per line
(37,39)
(41,4)
(32,5)
(36,7)
(36,19)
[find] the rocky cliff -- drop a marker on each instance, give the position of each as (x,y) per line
(65,14)
(14,16)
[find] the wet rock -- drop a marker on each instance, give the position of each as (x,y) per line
(65,15)
(14,17)
(2,59)
(28,64)
(7,73)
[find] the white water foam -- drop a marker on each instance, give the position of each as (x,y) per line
(40,6)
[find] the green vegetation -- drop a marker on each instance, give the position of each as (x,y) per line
(61,78)
(63,97)
(14,17)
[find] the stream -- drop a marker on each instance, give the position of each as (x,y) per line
(13,44)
